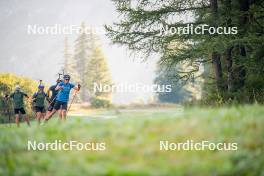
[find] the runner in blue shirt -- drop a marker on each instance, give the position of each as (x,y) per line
(62,98)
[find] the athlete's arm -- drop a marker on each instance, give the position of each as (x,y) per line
(26,95)
(11,95)
(48,92)
(47,97)
(7,96)
(34,97)
(77,87)
(59,87)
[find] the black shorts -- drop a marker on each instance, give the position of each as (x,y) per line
(51,106)
(20,111)
(60,105)
(40,109)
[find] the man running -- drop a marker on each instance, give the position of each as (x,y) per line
(53,97)
(39,102)
(63,97)
(18,101)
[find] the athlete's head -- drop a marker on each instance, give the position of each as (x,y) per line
(66,78)
(17,88)
(41,87)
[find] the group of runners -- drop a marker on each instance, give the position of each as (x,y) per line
(57,97)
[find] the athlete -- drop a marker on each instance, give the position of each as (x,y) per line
(53,96)
(39,103)
(18,101)
(62,97)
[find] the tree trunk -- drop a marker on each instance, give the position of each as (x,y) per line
(215,55)
(244,19)
(214,6)
(217,66)
(228,52)
(229,64)
(244,8)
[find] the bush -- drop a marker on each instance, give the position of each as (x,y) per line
(100,103)
(7,83)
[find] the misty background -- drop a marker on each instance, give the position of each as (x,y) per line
(41,56)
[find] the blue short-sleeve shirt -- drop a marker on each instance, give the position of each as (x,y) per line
(64,94)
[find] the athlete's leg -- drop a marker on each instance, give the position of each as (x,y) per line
(49,115)
(43,115)
(60,114)
(54,110)
(64,108)
(63,114)
(38,117)
(26,119)
(50,108)
(17,119)
(17,113)
(23,114)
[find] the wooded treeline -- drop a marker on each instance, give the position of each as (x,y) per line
(233,63)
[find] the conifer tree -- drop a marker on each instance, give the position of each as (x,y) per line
(69,66)
(80,59)
(98,73)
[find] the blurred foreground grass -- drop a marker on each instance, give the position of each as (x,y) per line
(132,140)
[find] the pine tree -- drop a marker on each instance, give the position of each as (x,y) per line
(178,93)
(80,59)
(68,62)
(93,43)
(98,73)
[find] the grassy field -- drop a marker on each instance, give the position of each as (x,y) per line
(132,139)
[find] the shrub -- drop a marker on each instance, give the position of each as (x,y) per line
(7,83)
(100,103)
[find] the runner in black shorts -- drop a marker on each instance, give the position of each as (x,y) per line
(39,102)
(20,111)
(63,97)
(40,109)
(18,101)
(60,105)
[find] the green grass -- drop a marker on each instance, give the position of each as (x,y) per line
(132,140)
